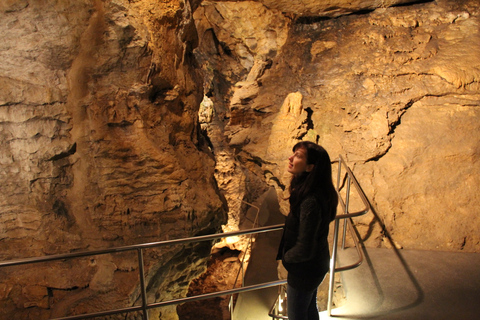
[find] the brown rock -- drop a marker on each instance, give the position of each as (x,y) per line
(364,79)
(99,148)
(100,142)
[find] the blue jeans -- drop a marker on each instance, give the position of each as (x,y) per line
(302,305)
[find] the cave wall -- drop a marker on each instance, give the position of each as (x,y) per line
(100,147)
(394,90)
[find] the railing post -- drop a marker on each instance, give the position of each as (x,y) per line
(334,249)
(145,306)
(332,267)
(143,289)
(347,201)
(339,174)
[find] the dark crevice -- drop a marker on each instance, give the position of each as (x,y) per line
(51,289)
(277,181)
(226,49)
(255,159)
(309,118)
(259,111)
(206,139)
(65,154)
(394,125)
(412,3)
(306,20)
(362,12)
(159,87)
(311,19)
(377,157)
(121,124)
(214,43)
(309,123)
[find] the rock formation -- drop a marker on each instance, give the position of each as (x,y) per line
(102,145)
(394,90)
(100,148)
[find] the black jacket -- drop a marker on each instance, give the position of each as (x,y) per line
(304,247)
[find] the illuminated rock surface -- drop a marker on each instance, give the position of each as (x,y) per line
(395,91)
(100,148)
(101,143)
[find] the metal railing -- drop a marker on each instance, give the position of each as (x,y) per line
(347,217)
(139,248)
(279,307)
(145,306)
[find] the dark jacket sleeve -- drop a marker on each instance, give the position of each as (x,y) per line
(305,247)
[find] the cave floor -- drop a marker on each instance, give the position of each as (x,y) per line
(410,284)
(395,284)
(390,284)
(255,305)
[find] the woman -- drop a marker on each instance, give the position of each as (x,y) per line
(304,249)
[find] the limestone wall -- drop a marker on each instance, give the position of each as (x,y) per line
(395,91)
(101,145)
(99,148)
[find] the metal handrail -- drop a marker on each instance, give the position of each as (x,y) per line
(139,247)
(347,216)
(274,310)
(362,195)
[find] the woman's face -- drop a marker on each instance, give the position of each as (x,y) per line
(297,162)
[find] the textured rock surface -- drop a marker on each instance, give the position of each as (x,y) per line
(100,143)
(326,8)
(100,148)
(395,91)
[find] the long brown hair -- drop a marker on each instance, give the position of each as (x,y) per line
(318,182)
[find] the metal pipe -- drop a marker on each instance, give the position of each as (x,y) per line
(332,267)
(359,190)
(272,312)
(138,246)
(178,301)
(347,206)
(143,288)
(217,294)
(357,247)
(242,263)
(347,217)
(101,313)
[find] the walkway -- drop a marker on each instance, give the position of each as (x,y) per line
(389,285)
(410,284)
(255,305)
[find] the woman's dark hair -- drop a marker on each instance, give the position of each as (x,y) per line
(318,181)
